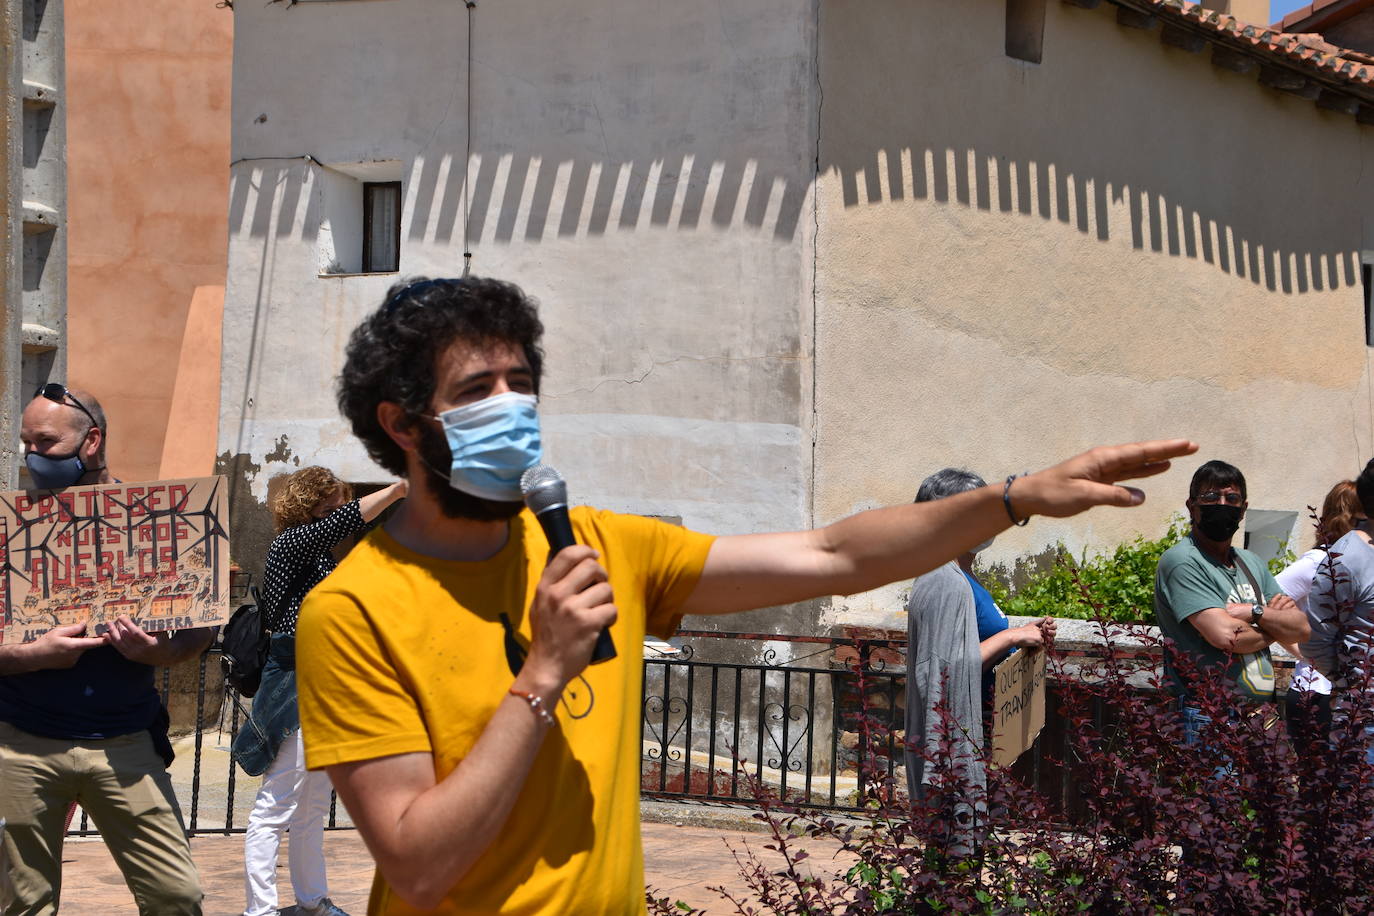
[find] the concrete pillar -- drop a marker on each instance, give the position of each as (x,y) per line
(33,233)
(44,324)
(11,230)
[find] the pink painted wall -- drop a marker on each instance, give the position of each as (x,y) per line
(148,185)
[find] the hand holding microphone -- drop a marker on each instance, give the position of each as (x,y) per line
(546,495)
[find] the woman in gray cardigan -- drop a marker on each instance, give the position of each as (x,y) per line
(955,636)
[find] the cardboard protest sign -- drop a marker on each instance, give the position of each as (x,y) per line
(1018,710)
(157,551)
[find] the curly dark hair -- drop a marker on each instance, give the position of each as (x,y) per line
(391,355)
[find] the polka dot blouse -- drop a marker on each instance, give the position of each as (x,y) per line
(298,560)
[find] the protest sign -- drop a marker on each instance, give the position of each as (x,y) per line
(156,551)
(1018,711)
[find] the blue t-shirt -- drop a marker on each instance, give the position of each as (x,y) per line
(103,695)
(991,621)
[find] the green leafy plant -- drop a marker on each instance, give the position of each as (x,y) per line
(1221,820)
(1122,580)
(1283,560)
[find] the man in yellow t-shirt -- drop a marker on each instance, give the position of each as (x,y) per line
(443,667)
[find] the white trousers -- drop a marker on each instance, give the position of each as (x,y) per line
(295,799)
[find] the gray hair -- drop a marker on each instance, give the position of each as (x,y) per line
(948,482)
(97,413)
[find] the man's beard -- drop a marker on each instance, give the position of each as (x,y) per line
(434,454)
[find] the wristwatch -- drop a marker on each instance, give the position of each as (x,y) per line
(1256,614)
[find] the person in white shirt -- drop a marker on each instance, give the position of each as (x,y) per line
(1308,701)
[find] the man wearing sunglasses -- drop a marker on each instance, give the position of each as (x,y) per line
(1219,605)
(80,717)
(64,439)
(480,788)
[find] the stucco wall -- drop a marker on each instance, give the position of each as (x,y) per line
(148,138)
(642,169)
(1016,262)
(1012,262)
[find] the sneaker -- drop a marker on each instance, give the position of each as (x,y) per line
(325,907)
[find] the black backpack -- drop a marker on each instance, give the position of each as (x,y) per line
(244,642)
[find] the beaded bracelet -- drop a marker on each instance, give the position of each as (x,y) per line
(536,703)
(1006,501)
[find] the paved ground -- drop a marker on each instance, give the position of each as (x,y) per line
(681,861)
(685,849)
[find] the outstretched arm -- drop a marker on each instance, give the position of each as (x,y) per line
(884,545)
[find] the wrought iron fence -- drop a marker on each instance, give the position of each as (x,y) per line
(208,785)
(711,730)
(708,729)
(722,731)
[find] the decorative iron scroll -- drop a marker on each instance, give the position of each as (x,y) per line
(653,716)
(796,713)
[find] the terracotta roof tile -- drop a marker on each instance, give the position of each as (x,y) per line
(1344,68)
(1322,13)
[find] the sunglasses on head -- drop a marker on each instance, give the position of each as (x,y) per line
(55,391)
(416,289)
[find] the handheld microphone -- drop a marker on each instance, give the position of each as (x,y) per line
(546,495)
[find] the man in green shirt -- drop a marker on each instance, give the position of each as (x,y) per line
(1219,604)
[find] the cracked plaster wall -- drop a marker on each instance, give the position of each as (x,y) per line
(643,170)
(1122,242)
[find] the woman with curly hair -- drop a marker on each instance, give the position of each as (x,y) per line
(314,511)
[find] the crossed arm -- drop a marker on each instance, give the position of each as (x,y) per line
(1229,628)
(425,834)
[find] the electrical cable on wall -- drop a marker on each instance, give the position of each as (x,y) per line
(467,157)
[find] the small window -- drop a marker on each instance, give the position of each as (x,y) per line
(381,226)
(1025,30)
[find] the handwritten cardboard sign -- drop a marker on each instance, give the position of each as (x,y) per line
(156,551)
(1018,711)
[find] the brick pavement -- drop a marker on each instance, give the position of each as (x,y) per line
(681,861)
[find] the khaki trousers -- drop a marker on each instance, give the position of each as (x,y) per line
(124,787)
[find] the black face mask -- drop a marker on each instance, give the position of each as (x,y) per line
(1219,522)
(53,472)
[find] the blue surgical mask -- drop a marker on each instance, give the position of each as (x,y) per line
(493,442)
(50,473)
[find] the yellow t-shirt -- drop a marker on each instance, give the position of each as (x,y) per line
(399,653)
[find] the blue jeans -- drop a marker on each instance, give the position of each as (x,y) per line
(1194,721)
